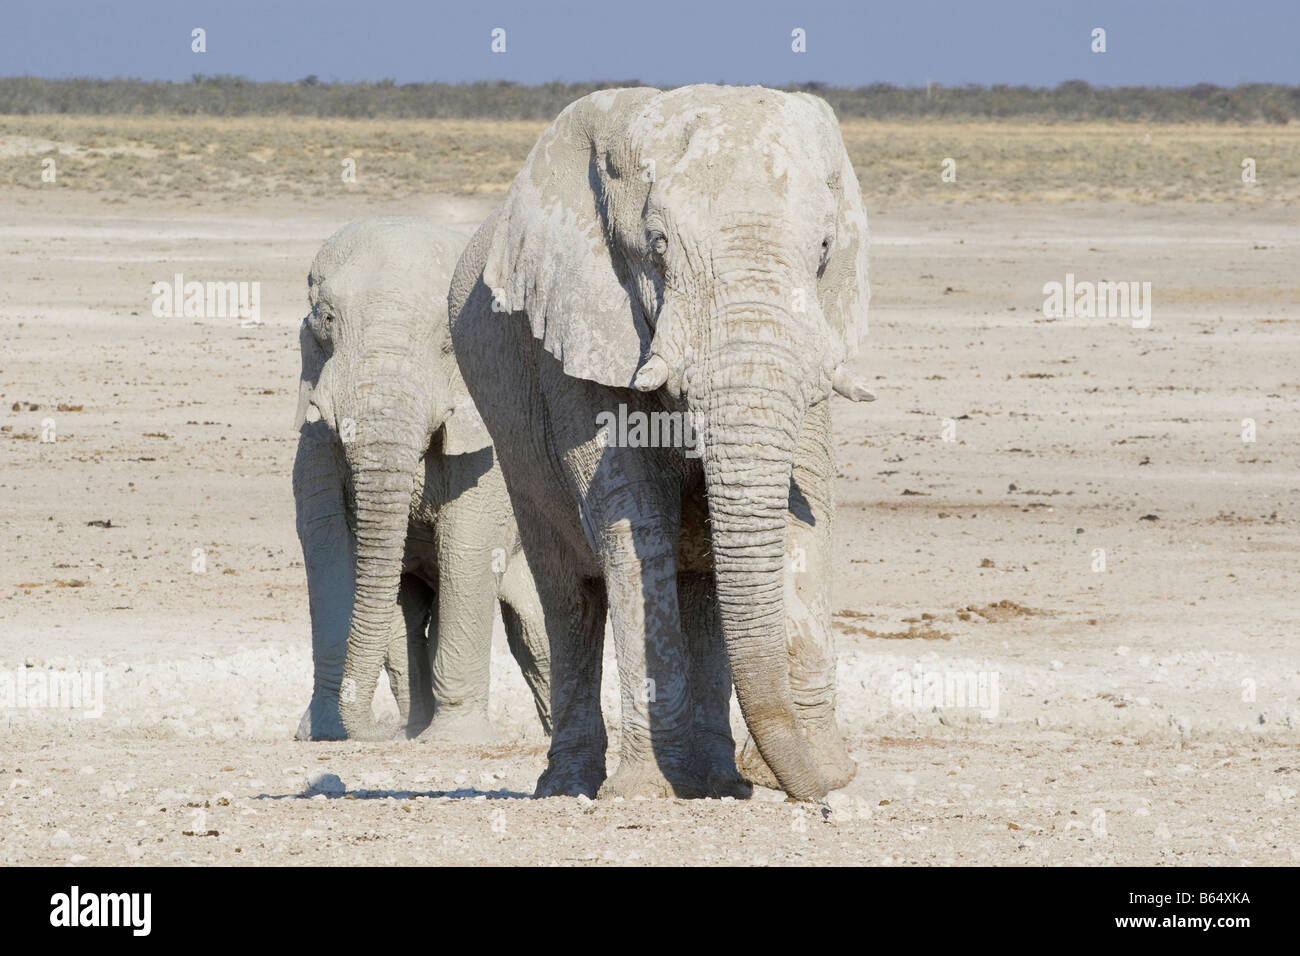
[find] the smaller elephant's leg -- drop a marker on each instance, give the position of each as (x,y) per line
(461,652)
(715,748)
(525,624)
(407,661)
(810,639)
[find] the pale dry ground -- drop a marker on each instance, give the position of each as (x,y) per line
(1147,714)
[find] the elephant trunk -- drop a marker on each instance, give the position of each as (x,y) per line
(382,461)
(322,527)
(752,409)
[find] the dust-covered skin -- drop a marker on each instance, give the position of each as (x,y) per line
(405,524)
(1161,693)
(702,253)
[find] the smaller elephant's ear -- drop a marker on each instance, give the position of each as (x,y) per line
(463,430)
(551,255)
(843,289)
(313,360)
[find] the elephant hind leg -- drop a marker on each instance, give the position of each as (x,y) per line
(525,624)
(407,661)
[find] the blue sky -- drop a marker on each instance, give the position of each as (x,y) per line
(904,42)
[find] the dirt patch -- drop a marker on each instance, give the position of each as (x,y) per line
(849,622)
(998,612)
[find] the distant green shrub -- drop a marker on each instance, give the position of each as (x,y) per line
(235,96)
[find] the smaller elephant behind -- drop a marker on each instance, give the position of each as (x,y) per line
(406,527)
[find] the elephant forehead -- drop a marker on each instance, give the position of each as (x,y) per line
(761,178)
(767,142)
(381,268)
(389,242)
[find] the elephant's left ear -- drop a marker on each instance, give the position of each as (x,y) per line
(551,254)
(463,430)
(843,290)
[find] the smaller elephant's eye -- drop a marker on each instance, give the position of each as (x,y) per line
(658,242)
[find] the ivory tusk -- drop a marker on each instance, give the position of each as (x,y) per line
(651,375)
(854,389)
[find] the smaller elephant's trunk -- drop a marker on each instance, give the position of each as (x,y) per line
(383,479)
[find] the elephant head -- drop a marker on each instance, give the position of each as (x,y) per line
(379,373)
(710,241)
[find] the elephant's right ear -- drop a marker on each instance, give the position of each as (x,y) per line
(551,255)
(313,360)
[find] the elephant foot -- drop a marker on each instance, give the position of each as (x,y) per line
(728,783)
(571,776)
(716,765)
(375,732)
(321,721)
(416,726)
(838,768)
(828,748)
(645,778)
(460,726)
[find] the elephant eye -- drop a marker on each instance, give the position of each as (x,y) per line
(658,242)
(322,325)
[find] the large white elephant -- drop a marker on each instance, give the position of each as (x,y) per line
(696,252)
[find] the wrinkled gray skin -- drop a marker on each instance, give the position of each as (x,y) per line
(699,250)
(403,514)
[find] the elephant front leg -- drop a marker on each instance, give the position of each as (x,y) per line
(715,748)
(407,661)
(810,639)
(574,613)
(462,649)
(640,560)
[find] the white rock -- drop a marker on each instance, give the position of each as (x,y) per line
(323,783)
